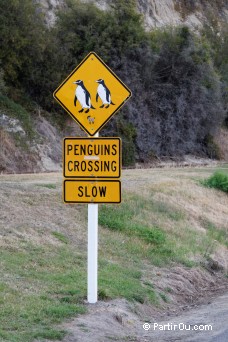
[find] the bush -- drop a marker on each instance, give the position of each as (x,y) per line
(3,88)
(178,97)
(216,34)
(218,180)
(22,40)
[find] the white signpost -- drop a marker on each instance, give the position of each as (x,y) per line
(92,252)
(92,94)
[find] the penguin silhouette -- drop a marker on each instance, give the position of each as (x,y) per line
(83,96)
(104,93)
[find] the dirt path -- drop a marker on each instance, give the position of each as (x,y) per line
(116,321)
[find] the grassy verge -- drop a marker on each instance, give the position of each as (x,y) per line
(42,286)
(39,288)
(170,239)
(43,281)
(215,234)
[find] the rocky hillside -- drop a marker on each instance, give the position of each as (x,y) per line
(178,78)
(175,12)
(38,151)
(158,13)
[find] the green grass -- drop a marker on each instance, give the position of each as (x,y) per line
(121,219)
(118,281)
(34,285)
(41,286)
(60,237)
(217,234)
(132,218)
(133,221)
(48,185)
(218,180)
(164,297)
(128,217)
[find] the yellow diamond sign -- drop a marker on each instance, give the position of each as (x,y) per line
(92,94)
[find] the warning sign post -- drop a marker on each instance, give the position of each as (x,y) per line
(92,94)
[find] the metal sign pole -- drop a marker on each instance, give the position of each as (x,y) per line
(92,253)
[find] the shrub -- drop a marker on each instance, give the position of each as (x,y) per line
(3,88)
(218,180)
(22,40)
(216,33)
(178,97)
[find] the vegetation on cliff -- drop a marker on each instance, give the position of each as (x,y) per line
(178,79)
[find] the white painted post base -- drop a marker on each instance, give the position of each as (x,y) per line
(92,253)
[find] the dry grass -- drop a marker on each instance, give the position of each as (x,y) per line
(32,210)
(181,189)
(43,243)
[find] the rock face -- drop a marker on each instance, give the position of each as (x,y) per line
(18,154)
(49,7)
(158,13)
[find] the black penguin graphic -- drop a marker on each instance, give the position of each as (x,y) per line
(104,93)
(83,96)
